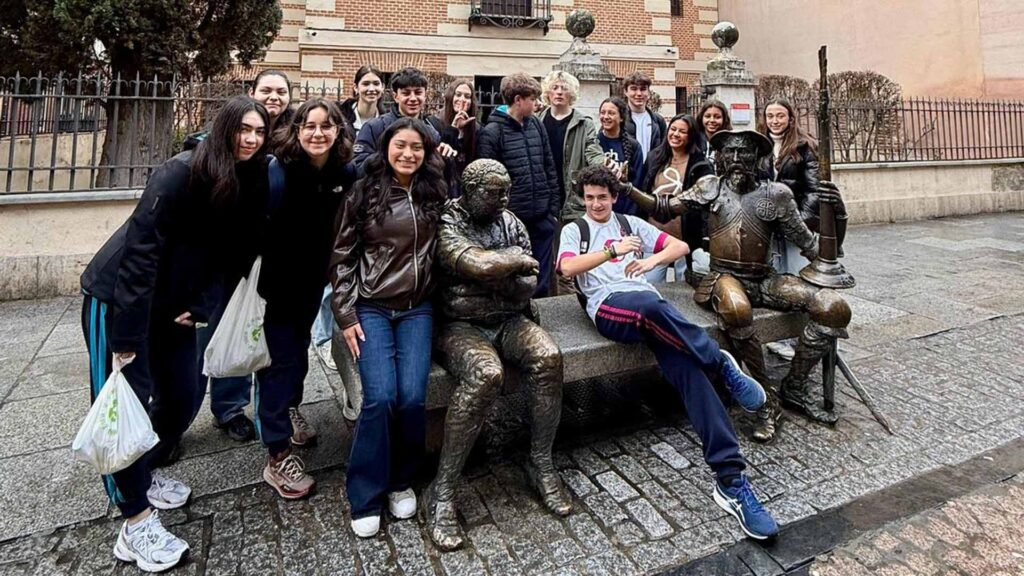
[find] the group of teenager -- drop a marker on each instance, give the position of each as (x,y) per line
(342,202)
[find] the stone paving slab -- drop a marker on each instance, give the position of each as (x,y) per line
(978,534)
(951,378)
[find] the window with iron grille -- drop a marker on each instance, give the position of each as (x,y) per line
(507,7)
(677,7)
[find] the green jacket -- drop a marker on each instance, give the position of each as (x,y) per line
(581,149)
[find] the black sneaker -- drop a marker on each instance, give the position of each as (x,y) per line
(239,428)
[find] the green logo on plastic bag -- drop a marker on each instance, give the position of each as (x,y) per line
(109,422)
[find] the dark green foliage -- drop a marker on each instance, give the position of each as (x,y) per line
(146,37)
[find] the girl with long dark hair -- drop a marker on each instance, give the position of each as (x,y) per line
(366,102)
(147,287)
(673,166)
(713,117)
(230,396)
(381,272)
(313,155)
(620,148)
(795,164)
(458,128)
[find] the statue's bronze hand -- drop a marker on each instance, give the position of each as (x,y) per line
(828,192)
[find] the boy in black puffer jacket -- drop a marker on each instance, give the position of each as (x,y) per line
(517,139)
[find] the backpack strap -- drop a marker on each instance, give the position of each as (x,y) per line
(584,247)
(275,172)
(584,234)
(627,230)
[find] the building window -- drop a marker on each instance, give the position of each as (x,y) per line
(677,7)
(682,103)
(511,13)
(507,7)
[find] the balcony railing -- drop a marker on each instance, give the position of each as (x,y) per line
(511,13)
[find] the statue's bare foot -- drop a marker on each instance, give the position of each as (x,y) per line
(551,489)
(768,418)
(799,400)
(443,522)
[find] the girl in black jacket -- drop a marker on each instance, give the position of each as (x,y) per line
(677,164)
(366,102)
(458,128)
(144,293)
(381,272)
(795,164)
(713,117)
(314,154)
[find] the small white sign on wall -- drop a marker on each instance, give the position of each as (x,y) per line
(741,113)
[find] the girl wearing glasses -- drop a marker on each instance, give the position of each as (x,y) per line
(313,154)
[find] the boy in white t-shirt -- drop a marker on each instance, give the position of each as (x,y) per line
(609,272)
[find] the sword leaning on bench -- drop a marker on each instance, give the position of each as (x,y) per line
(826,271)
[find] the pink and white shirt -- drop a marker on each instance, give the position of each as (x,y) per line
(610,277)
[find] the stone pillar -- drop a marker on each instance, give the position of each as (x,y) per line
(727,78)
(585,64)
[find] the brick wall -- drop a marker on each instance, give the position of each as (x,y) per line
(632,24)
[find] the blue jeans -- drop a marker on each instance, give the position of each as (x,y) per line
(390,436)
(324,326)
(685,354)
(786,257)
(228,396)
(659,274)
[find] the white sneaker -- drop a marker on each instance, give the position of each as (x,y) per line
(366,527)
(149,545)
(402,504)
(325,353)
(167,493)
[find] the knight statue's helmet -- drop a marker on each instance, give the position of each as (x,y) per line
(764,145)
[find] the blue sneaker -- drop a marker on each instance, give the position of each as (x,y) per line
(744,389)
(740,501)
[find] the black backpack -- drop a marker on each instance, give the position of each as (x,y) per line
(584,228)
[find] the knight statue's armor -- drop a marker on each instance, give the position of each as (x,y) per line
(743,214)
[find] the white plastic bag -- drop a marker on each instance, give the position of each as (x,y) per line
(117,430)
(238,346)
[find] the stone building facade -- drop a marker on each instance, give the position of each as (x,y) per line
(327,40)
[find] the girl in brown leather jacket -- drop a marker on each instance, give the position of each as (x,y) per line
(381,272)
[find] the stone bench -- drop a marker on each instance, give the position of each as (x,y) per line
(587,354)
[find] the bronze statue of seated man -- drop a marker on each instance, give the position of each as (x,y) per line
(488,277)
(743,214)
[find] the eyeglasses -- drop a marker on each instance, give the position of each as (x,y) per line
(324,128)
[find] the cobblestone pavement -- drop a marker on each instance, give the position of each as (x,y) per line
(938,321)
(981,534)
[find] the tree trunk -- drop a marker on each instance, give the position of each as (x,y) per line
(140,130)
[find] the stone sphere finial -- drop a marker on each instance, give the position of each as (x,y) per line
(580,23)
(725,35)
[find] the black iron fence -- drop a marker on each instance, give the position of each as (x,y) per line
(93,132)
(87,132)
